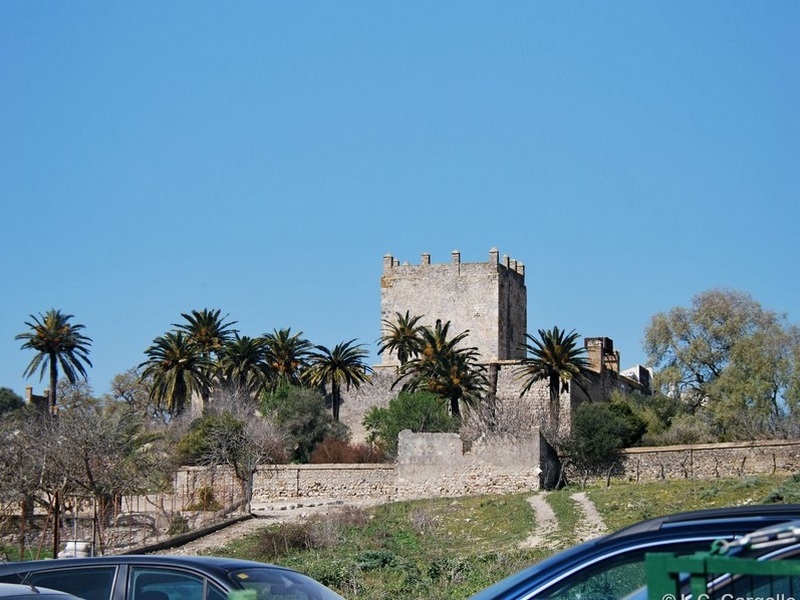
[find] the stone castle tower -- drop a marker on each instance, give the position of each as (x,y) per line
(489,299)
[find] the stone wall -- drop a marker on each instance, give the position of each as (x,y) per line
(357,402)
(710,461)
(520,414)
(428,465)
(440,465)
(355,482)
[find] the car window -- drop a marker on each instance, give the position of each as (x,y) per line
(613,577)
(152,583)
(91,583)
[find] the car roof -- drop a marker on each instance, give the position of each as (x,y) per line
(756,513)
(174,559)
(209,564)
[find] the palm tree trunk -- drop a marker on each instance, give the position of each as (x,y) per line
(335,400)
(455,409)
(555,404)
(53,381)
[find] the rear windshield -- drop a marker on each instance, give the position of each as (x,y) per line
(277,584)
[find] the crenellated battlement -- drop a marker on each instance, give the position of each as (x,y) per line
(390,262)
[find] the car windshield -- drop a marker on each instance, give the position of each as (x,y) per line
(277,584)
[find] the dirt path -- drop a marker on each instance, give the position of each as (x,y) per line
(592,524)
(543,535)
(546,523)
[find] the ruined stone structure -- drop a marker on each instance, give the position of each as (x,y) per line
(42,403)
(489,300)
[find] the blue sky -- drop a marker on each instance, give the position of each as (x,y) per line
(262,157)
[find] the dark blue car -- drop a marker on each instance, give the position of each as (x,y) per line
(612,567)
(161,577)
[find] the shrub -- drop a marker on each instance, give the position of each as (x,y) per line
(301,413)
(178,525)
(210,437)
(787,492)
(331,450)
(600,430)
(205,500)
(283,540)
(314,534)
(420,412)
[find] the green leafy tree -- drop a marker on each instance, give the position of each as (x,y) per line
(401,336)
(344,365)
(177,371)
(658,411)
(301,414)
(444,368)
(728,357)
(557,358)
(287,356)
(58,343)
(600,431)
(243,368)
(9,401)
(420,412)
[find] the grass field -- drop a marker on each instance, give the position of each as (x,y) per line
(452,548)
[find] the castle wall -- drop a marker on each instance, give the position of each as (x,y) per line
(438,465)
(515,413)
(357,402)
(488,299)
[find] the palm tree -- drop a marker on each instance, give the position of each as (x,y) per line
(243,367)
(207,330)
(402,336)
(57,343)
(208,333)
(177,369)
(332,368)
(554,357)
(441,367)
(286,356)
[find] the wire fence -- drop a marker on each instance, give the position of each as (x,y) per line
(79,525)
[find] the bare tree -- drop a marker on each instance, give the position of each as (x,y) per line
(243,440)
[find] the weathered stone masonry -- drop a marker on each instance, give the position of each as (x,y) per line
(438,465)
(488,299)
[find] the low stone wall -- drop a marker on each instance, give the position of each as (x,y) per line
(710,461)
(440,465)
(429,465)
(356,482)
